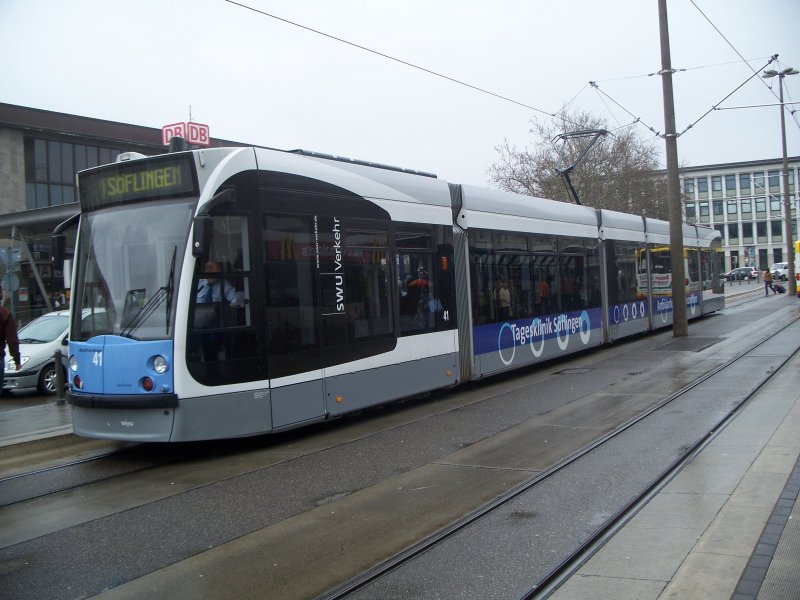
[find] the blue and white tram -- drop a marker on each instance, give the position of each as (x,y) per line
(242,291)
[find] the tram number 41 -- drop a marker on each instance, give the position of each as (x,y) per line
(97,359)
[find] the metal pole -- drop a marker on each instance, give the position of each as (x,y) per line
(791,284)
(680,327)
(60,383)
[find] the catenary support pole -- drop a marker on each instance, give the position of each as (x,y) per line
(680,326)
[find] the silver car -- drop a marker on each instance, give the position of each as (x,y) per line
(38,341)
(780,271)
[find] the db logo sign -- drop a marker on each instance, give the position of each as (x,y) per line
(193,133)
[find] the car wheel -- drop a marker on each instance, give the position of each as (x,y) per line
(47,380)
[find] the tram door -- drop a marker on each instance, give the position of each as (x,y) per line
(293,321)
(325,256)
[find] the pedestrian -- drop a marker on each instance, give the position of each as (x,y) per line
(8,333)
(768,283)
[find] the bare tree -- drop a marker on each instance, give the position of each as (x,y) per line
(620,172)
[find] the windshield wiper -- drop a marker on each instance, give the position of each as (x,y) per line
(163,293)
(170,282)
(145,311)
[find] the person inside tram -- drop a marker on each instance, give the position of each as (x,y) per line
(544,293)
(503,301)
(212,288)
(214,293)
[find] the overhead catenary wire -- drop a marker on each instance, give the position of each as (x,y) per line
(740,86)
(555,115)
(792,113)
(636,119)
(695,122)
(397,60)
(727,41)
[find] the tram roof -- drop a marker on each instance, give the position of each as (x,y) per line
(495,209)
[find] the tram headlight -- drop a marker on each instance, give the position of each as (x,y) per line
(160,364)
(73,364)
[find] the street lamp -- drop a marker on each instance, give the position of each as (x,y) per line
(787,207)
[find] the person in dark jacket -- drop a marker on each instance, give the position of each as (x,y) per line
(8,333)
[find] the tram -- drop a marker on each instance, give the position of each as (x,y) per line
(242,291)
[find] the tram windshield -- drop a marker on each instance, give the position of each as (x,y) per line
(128,260)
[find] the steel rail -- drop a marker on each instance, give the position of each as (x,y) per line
(562,570)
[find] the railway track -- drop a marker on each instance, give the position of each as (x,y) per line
(350,490)
(546,585)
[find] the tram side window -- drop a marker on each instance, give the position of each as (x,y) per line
(424,258)
(481,267)
(292,314)
(365,295)
(357,308)
(661,270)
(546,282)
(592,274)
(627,271)
(514,294)
(693,265)
(574,274)
(222,291)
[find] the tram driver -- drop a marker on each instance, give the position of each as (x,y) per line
(214,293)
(213,287)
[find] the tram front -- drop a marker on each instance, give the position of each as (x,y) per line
(135,221)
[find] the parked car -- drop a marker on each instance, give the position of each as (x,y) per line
(742,273)
(38,341)
(780,271)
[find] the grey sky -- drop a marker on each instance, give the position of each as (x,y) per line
(259,80)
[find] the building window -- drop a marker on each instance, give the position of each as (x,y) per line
(717,208)
(761,231)
(763,259)
(721,229)
(704,210)
(733,233)
(716,186)
(688,187)
(775,205)
(776,231)
(774,181)
(730,185)
(732,208)
(50,167)
(747,207)
(747,232)
(761,207)
(702,186)
(744,184)
(791,180)
(758,182)
(691,210)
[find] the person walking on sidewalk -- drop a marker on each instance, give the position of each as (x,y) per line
(768,283)
(8,335)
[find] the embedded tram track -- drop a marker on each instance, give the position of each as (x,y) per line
(337,512)
(103,466)
(546,585)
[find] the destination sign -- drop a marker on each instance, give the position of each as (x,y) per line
(159,177)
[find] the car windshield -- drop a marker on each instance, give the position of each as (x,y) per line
(44,329)
(127,262)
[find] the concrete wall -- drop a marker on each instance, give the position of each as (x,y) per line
(12,171)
